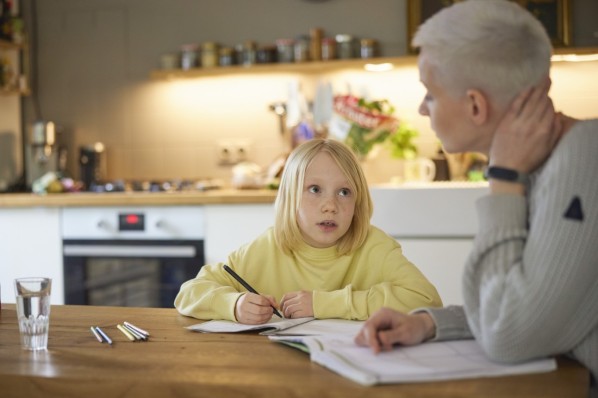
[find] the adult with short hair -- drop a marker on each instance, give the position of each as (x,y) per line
(530,285)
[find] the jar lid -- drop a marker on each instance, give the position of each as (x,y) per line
(285,42)
(344,38)
(209,45)
(189,47)
(368,42)
(226,50)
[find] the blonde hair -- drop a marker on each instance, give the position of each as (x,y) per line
(494,46)
(286,228)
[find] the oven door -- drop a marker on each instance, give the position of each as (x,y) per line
(131,273)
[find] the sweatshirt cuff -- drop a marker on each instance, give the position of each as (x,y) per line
(451,322)
(224,305)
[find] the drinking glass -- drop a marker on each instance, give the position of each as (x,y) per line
(33,311)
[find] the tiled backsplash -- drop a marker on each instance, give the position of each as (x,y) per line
(178,124)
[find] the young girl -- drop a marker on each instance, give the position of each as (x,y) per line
(322,258)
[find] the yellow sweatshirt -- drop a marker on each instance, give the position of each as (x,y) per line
(349,287)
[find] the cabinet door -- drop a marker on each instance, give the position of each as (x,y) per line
(30,245)
(230,226)
(442,261)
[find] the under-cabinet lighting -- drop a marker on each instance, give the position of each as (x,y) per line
(574,57)
(385,67)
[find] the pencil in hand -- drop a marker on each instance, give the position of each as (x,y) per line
(247,286)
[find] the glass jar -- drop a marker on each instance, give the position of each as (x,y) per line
(285,50)
(209,54)
(328,48)
(367,48)
(266,55)
(226,56)
(345,46)
(249,53)
(301,49)
(189,56)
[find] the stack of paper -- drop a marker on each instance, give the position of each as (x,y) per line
(431,361)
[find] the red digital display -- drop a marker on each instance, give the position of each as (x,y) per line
(132,218)
(131,222)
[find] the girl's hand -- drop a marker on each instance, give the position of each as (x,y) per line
(254,309)
(297,304)
(528,132)
(387,327)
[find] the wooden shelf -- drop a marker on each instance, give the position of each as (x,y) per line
(314,67)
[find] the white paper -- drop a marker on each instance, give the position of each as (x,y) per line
(222,326)
(431,361)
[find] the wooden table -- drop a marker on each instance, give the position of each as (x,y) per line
(176,362)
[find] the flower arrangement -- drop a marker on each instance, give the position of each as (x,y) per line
(362,124)
(401,143)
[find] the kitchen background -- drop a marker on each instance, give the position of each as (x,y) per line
(93,60)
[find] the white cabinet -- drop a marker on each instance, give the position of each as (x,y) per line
(442,261)
(435,224)
(30,245)
(230,226)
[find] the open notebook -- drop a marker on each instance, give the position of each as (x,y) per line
(283,326)
(432,361)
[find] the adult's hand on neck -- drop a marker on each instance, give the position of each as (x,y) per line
(528,132)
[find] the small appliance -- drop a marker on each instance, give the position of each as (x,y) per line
(92,160)
(45,153)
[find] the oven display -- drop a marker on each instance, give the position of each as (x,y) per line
(131,222)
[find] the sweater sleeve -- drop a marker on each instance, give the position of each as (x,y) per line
(451,322)
(531,283)
(210,295)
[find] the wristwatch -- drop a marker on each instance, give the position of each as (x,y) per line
(504,174)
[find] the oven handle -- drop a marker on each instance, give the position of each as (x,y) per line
(74,250)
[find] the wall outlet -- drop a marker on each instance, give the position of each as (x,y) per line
(232,152)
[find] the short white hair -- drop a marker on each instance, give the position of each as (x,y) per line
(495,46)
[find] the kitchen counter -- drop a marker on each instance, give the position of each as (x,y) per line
(181,363)
(216,196)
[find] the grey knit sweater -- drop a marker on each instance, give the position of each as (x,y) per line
(530,284)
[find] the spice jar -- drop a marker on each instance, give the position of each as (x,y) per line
(249,53)
(367,48)
(226,56)
(344,46)
(328,48)
(188,56)
(315,45)
(209,54)
(266,55)
(285,49)
(301,49)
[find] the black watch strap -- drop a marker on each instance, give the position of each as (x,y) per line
(504,174)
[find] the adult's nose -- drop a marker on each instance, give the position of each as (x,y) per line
(423,108)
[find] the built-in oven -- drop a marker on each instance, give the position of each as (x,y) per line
(130,256)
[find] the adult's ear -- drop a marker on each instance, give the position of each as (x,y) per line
(477,107)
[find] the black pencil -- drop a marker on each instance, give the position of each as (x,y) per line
(247,286)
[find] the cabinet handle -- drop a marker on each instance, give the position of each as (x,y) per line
(102,224)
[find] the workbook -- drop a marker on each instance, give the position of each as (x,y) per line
(283,326)
(431,361)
